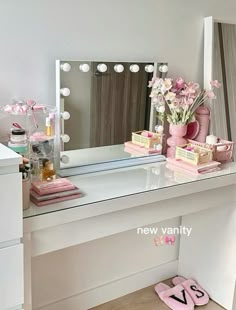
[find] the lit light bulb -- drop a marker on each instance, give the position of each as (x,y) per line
(65,159)
(119,68)
(134,68)
(65,115)
(65,92)
(84,68)
(65,138)
(65,67)
(163,68)
(159,128)
(149,68)
(102,68)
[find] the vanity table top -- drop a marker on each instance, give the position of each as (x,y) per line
(105,186)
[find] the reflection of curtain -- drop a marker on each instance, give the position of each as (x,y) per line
(224,69)
(119,104)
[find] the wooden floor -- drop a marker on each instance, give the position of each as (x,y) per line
(145,299)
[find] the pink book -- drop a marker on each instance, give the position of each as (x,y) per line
(202,168)
(38,197)
(131,146)
(47,202)
(55,186)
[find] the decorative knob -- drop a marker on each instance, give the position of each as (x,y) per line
(134,68)
(102,67)
(65,115)
(119,68)
(163,68)
(84,67)
(65,67)
(149,68)
(65,138)
(65,92)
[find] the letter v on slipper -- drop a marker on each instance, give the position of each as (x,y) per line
(176,298)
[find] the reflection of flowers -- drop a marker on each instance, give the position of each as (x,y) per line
(179,98)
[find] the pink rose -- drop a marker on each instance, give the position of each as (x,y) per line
(215,83)
(179,83)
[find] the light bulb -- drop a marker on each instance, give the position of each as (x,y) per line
(119,68)
(65,67)
(163,68)
(102,67)
(149,68)
(84,68)
(159,128)
(65,92)
(65,115)
(65,138)
(65,159)
(134,68)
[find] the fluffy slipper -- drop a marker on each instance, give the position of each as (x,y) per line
(176,298)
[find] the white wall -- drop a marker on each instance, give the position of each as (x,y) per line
(35,33)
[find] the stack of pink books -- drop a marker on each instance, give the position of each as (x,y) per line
(44,193)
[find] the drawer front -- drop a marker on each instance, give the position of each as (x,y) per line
(11,277)
(10,207)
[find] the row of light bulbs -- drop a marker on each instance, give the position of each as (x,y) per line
(66,67)
(119,68)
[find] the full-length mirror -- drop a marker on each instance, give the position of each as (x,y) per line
(101,104)
(220,63)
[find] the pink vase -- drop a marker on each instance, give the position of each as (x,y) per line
(177,133)
(203,117)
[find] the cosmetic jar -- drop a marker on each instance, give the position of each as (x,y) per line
(18,136)
(21,148)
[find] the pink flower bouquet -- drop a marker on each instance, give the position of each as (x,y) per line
(177,100)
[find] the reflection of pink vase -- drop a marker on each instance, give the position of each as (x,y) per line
(203,117)
(177,133)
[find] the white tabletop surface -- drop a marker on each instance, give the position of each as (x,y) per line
(9,157)
(107,185)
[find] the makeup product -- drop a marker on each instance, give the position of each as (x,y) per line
(48,172)
(21,148)
(211,139)
(18,136)
(48,127)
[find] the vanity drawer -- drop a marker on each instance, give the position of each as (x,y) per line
(10,207)
(11,277)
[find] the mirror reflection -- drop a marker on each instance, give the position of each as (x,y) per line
(106,101)
(223,119)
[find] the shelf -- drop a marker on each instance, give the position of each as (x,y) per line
(145,299)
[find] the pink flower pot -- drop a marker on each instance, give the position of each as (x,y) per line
(177,133)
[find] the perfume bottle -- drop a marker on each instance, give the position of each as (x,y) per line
(48,172)
(48,126)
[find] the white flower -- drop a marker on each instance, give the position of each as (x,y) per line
(170,96)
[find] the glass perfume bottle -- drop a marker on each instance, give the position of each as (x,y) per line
(48,171)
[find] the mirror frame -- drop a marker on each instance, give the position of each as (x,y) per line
(99,166)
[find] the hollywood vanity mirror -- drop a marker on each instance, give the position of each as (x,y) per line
(101,104)
(220,63)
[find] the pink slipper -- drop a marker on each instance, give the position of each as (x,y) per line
(175,298)
(198,295)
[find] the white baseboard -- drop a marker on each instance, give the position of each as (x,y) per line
(115,289)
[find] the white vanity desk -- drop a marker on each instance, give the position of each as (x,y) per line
(124,199)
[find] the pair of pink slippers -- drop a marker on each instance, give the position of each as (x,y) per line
(184,296)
